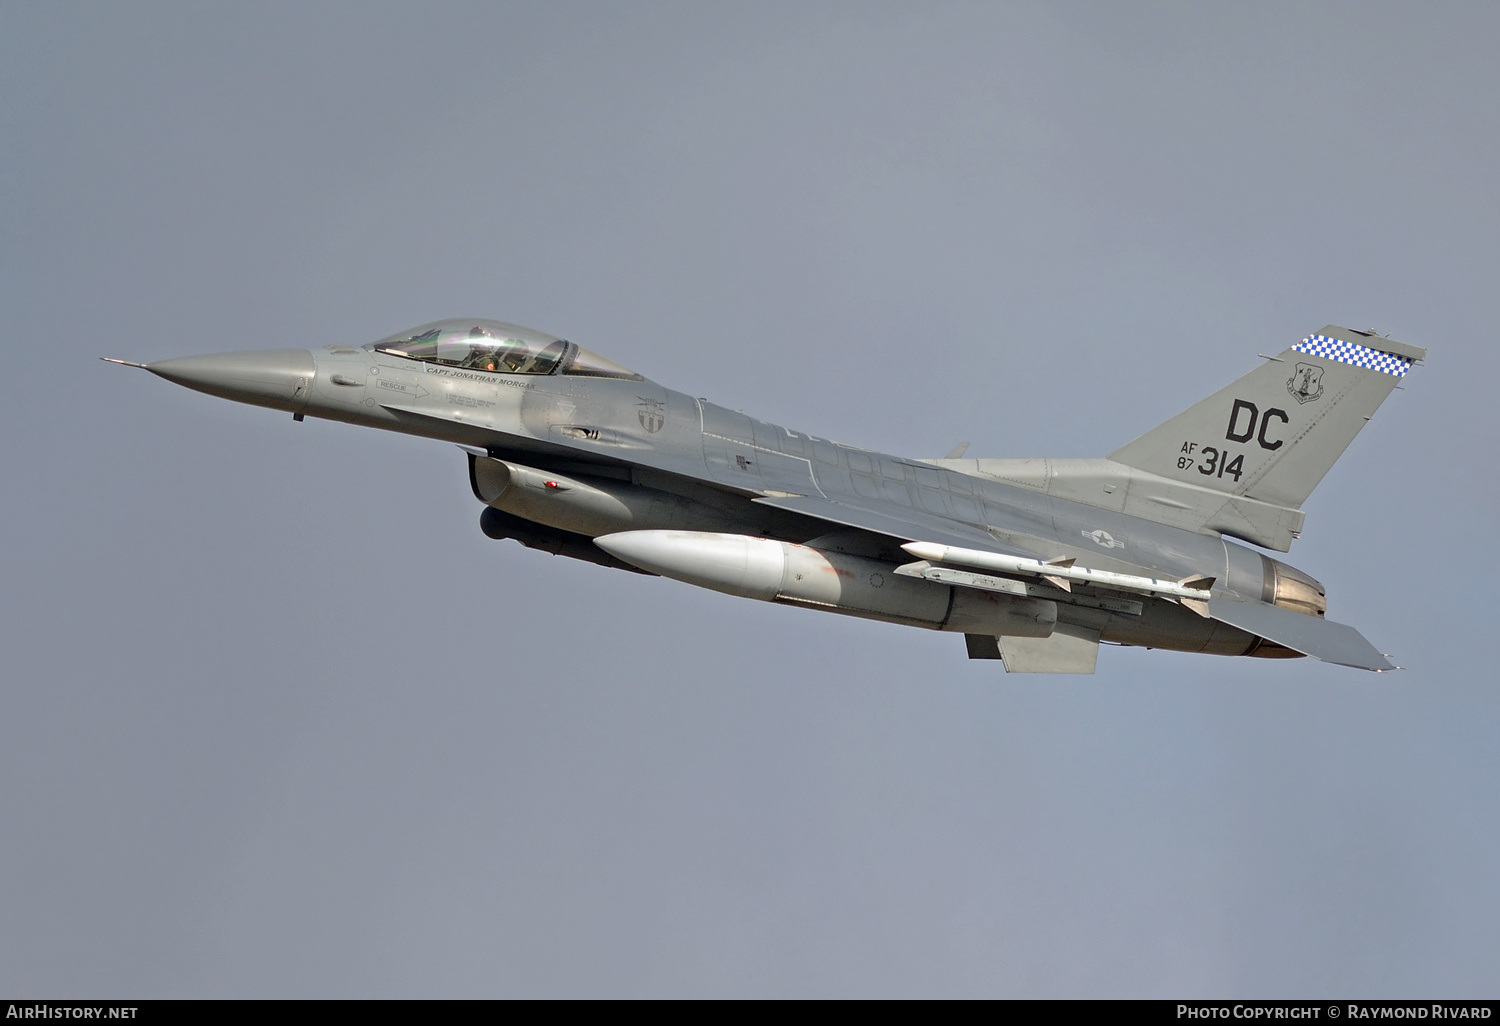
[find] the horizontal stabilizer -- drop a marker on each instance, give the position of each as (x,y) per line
(1310,635)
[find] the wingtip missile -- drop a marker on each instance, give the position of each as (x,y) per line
(1059,570)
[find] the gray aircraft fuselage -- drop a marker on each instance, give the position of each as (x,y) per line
(563,458)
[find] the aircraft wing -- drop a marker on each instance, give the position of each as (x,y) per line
(1310,635)
(903,524)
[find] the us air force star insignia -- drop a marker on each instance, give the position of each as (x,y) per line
(651,413)
(1103,539)
(1306,383)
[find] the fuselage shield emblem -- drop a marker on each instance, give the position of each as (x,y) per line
(651,413)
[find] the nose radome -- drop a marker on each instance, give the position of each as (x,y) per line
(279,378)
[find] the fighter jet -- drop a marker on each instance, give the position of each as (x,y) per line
(1036,562)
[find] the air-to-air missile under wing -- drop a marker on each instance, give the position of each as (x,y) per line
(1035,561)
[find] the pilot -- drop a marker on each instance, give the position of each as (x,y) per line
(481,355)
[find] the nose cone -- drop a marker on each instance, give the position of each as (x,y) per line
(279,378)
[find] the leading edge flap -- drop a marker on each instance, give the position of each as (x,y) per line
(897,522)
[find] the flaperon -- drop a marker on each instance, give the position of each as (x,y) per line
(1035,561)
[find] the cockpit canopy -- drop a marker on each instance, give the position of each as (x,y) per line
(498,347)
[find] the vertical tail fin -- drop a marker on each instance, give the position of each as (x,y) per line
(1274,433)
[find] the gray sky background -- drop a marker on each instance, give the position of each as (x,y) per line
(279,721)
